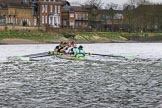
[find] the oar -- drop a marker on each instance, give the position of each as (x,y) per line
(103,55)
(37,54)
(41,56)
(129,58)
(32,57)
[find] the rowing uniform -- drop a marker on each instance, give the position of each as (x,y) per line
(58,48)
(81,53)
(78,52)
(68,49)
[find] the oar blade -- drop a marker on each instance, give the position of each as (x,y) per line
(23,58)
(37,54)
(41,56)
(31,56)
(107,55)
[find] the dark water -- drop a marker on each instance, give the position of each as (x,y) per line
(81,84)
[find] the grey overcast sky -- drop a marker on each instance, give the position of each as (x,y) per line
(120,2)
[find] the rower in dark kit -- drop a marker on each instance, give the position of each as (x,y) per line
(65,45)
(59,47)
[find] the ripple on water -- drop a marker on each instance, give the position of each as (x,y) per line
(83,84)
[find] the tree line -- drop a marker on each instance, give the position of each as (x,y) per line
(136,16)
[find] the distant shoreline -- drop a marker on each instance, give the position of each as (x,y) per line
(26,37)
(26,42)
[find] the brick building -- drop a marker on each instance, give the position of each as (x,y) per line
(50,12)
(78,17)
(55,14)
(17,13)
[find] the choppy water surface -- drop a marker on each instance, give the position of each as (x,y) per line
(101,82)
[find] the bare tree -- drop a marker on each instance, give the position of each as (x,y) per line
(96,3)
(138,2)
(93,7)
(110,8)
(111,5)
(128,13)
(144,17)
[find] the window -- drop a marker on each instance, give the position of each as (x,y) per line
(71,15)
(55,8)
(51,8)
(64,23)
(42,8)
(84,16)
(79,17)
(59,9)
(72,24)
(55,21)
(51,20)
(42,19)
(46,8)
(76,16)
(27,21)
(58,19)
(46,19)
(35,21)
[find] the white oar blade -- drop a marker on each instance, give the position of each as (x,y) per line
(37,54)
(23,58)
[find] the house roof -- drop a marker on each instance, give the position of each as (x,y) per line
(7,1)
(77,8)
(2,17)
(63,2)
(19,5)
(3,5)
(89,6)
(13,3)
(110,10)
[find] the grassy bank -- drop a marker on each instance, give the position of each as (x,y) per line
(46,37)
(99,36)
(143,37)
(50,37)
(35,36)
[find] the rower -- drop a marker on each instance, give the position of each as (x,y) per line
(78,52)
(68,48)
(81,51)
(63,48)
(73,46)
(59,47)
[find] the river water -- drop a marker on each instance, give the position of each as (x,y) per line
(131,81)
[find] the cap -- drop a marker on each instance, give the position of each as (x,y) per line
(80,47)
